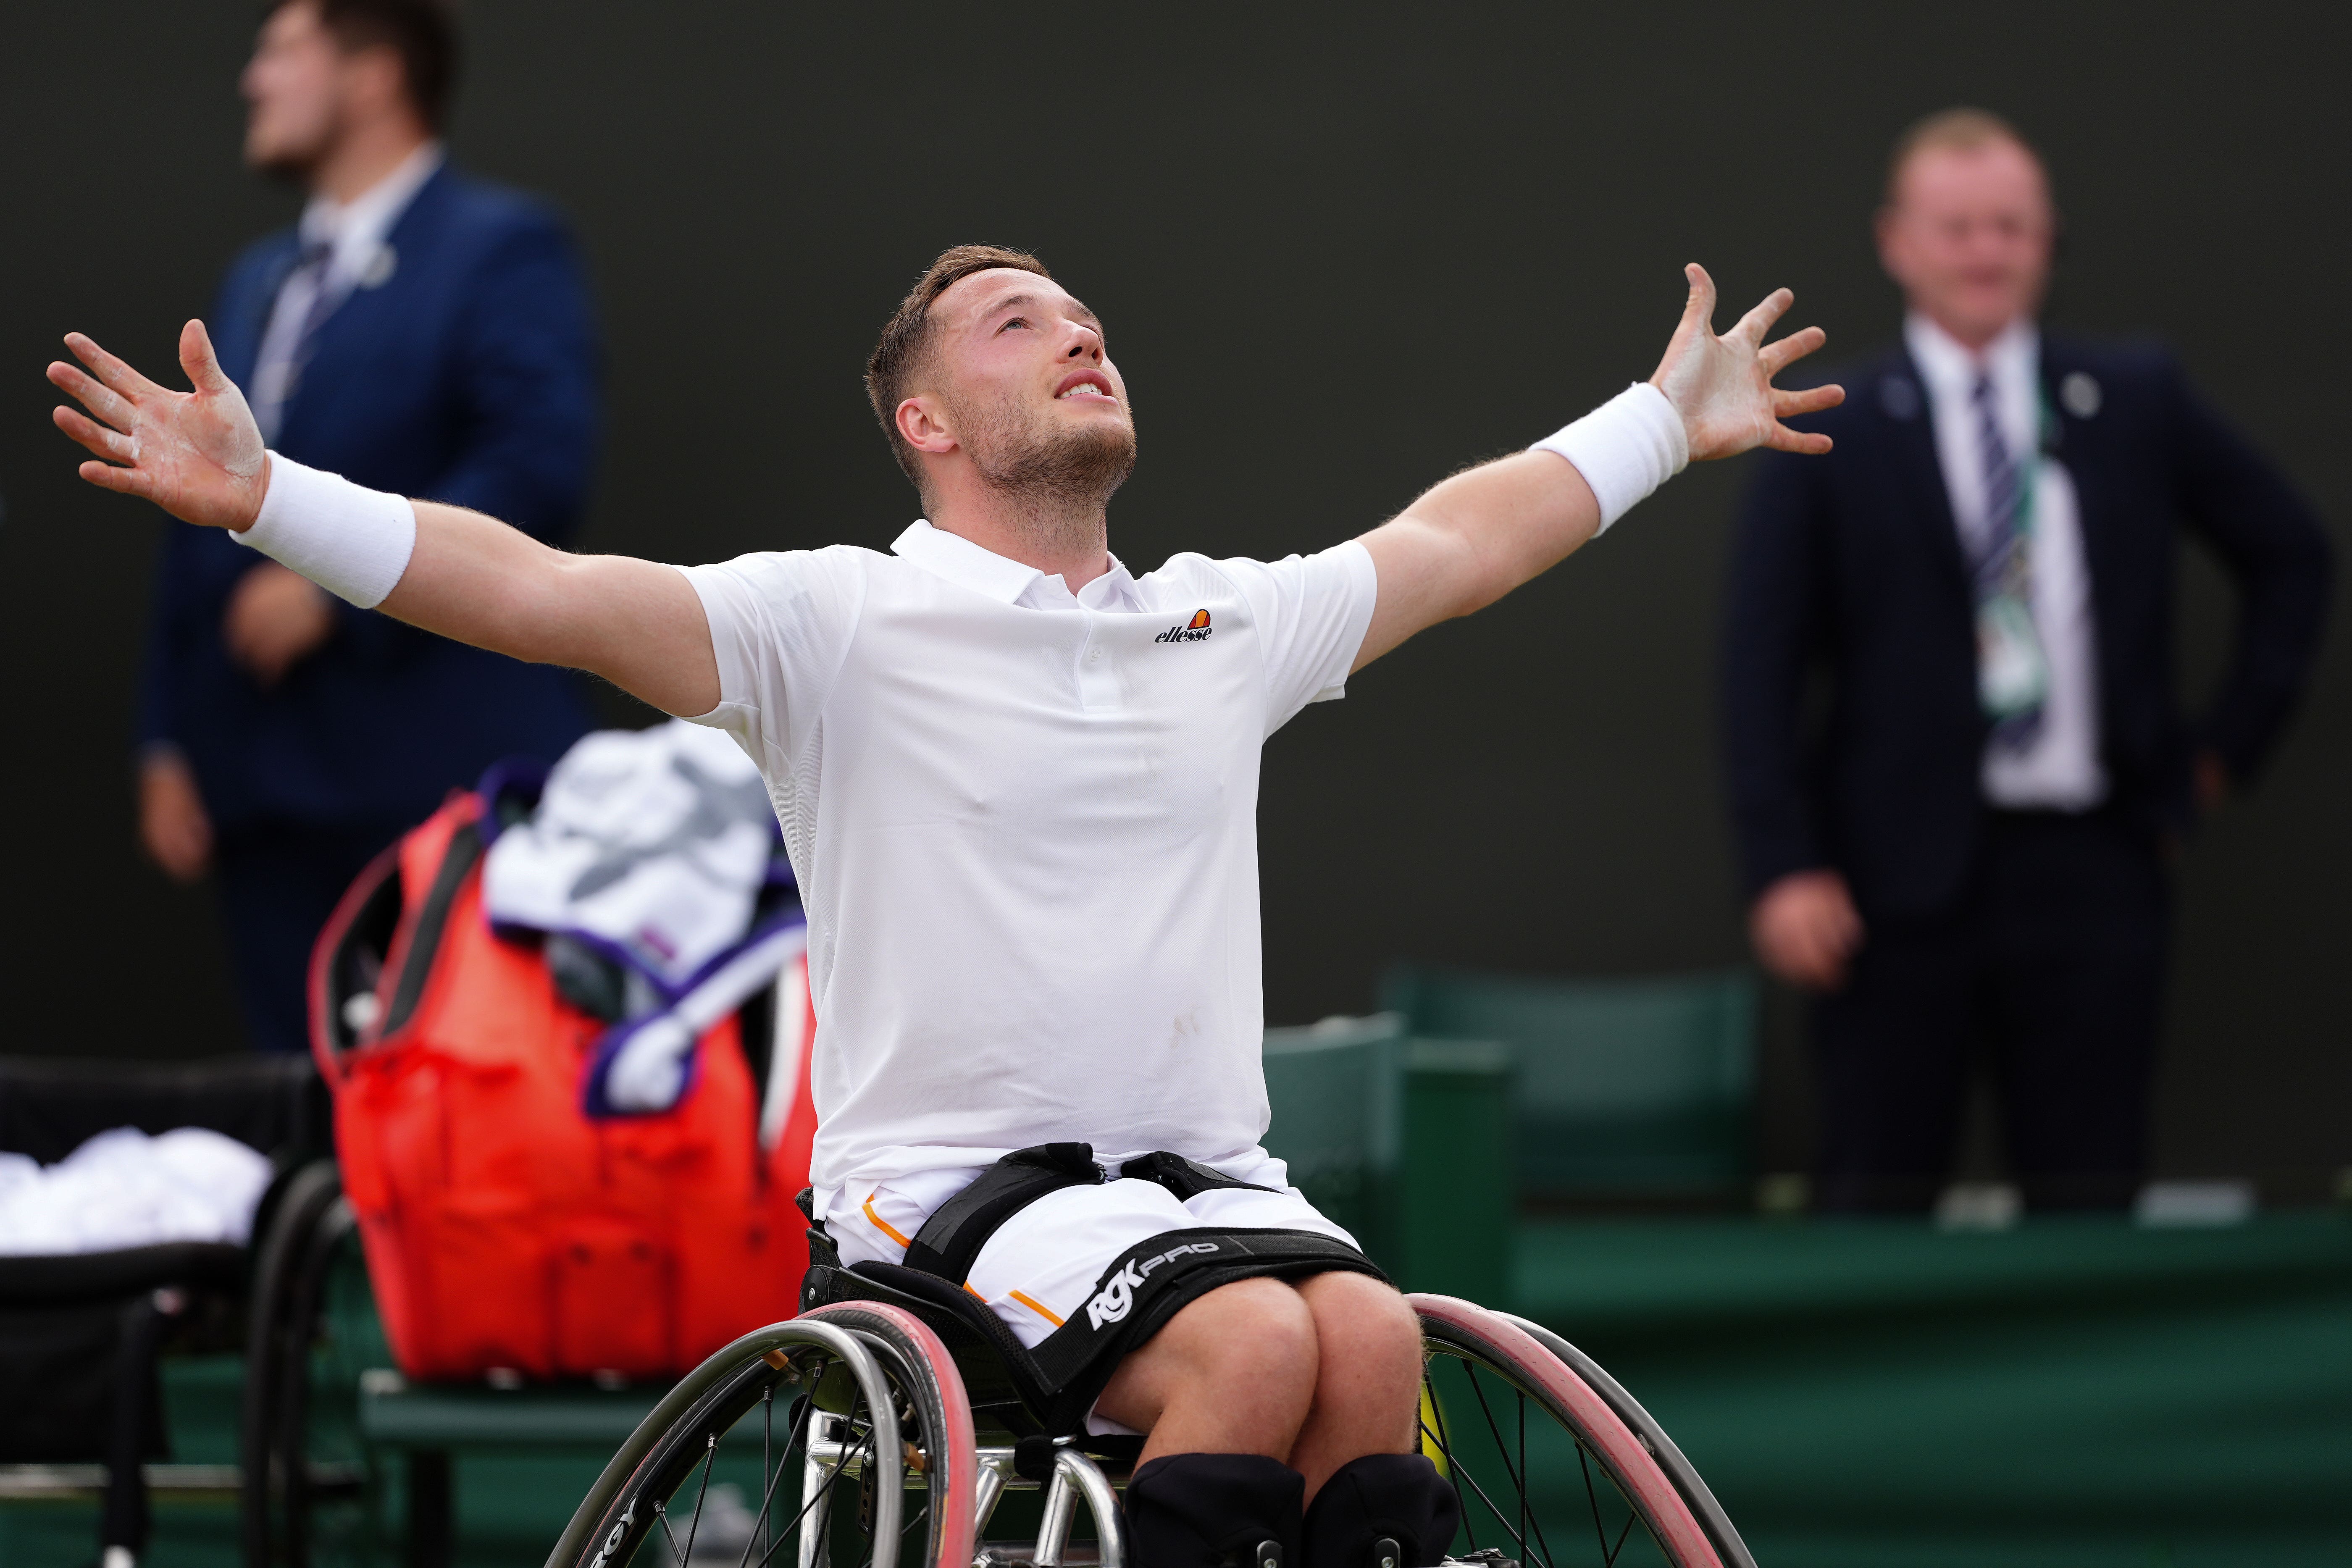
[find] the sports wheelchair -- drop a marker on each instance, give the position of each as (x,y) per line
(889,1423)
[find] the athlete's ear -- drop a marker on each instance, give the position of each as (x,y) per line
(925,426)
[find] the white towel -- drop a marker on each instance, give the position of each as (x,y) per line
(123,1188)
(649,846)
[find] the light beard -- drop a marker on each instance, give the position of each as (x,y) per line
(1063,479)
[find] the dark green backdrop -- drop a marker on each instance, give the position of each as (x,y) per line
(1341,251)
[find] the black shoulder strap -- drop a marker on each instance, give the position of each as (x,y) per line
(951,1238)
(425,938)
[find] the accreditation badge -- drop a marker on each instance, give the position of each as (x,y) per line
(2013,675)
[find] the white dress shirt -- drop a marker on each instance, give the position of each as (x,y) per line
(1024,824)
(353,232)
(2059,769)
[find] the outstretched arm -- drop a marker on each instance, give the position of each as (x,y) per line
(199,457)
(1474,538)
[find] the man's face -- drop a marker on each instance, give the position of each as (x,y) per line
(1968,236)
(1020,369)
(296,89)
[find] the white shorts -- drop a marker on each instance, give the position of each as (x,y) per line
(1043,1264)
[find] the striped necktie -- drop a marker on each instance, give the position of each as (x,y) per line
(274,382)
(2004,555)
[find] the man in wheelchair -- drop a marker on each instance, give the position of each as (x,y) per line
(1018,784)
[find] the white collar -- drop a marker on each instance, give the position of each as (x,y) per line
(958,560)
(356,228)
(1951,368)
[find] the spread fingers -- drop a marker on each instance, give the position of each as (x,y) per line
(1811,442)
(128,481)
(1776,357)
(97,438)
(1757,321)
(98,399)
(1788,405)
(115,372)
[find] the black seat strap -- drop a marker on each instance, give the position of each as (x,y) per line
(1188,1179)
(951,1238)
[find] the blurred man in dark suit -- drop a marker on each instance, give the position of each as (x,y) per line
(1963,845)
(419,331)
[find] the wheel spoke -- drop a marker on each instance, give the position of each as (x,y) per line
(775,1478)
(709,1457)
(1437,1409)
(1600,1533)
(1523,1467)
(662,1513)
(840,1464)
(1462,1472)
(1503,1450)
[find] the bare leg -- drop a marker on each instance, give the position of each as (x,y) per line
(1367,1376)
(1234,1372)
(1314,1375)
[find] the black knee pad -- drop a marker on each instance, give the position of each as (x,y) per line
(1397,1498)
(1214,1510)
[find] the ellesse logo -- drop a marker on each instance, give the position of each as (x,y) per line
(1193,632)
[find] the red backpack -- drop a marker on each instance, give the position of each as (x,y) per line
(504,1226)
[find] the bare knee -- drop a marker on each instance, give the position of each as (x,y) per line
(1368,1383)
(1233,1371)
(1360,1320)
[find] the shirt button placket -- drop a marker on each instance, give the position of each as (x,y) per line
(1097,682)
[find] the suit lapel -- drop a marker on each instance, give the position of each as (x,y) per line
(2072,394)
(1903,398)
(238,352)
(353,314)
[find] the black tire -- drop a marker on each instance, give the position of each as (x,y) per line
(271,1324)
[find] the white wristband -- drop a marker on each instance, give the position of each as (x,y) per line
(1625,448)
(353,542)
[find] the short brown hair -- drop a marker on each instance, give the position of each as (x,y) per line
(1952,130)
(423,33)
(908,334)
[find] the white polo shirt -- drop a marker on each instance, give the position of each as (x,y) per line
(1024,824)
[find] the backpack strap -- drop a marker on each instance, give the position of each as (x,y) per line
(413,962)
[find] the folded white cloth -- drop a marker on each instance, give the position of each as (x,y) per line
(649,846)
(123,1189)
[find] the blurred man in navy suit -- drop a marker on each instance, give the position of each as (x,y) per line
(418,330)
(1963,847)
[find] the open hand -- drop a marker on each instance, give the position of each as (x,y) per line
(1723,387)
(197,455)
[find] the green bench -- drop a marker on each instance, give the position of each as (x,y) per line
(1635,1091)
(1405,1141)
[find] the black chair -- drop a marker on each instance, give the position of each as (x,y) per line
(82,1334)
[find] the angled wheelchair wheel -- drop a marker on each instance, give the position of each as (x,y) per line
(1557,1467)
(841,1438)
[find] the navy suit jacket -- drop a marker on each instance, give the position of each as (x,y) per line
(1847,566)
(468,376)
